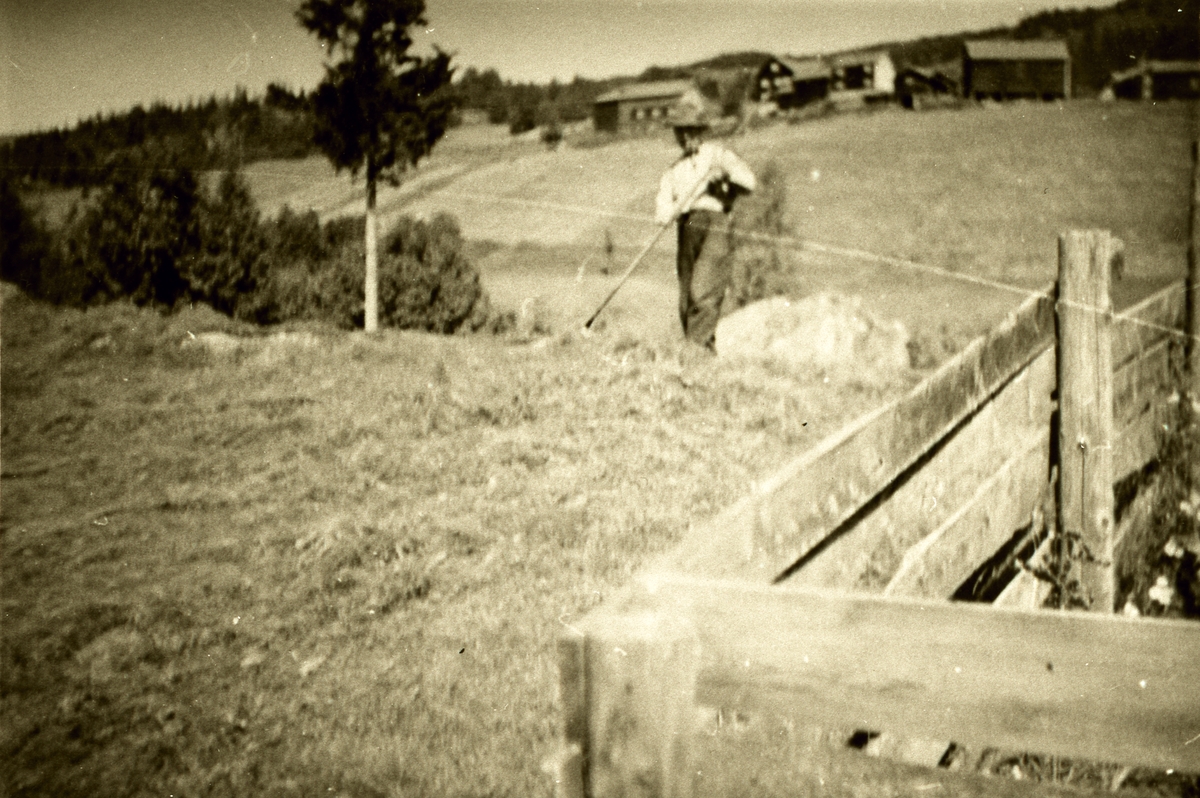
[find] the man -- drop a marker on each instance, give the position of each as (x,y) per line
(701,187)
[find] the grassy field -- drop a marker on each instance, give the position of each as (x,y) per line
(241,563)
(981,191)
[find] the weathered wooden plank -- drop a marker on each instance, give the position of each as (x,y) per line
(641,676)
(939,563)
(1089,685)
(1133,534)
(1085,433)
(867,556)
(1136,328)
(1137,442)
(573,707)
(790,514)
(1192,289)
(1141,388)
(1026,591)
(1142,382)
(784,759)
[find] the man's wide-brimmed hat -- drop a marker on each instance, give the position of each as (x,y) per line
(688,117)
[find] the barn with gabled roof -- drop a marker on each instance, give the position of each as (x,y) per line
(640,105)
(862,77)
(1000,69)
(791,82)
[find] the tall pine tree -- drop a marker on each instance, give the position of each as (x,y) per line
(379,108)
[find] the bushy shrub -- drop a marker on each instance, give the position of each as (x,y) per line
(425,279)
(762,266)
(130,241)
(24,241)
(296,253)
(230,255)
(156,237)
(552,135)
(522,119)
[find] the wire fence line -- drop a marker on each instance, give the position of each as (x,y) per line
(797,243)
(803,244)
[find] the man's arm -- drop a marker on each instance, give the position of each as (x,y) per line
(664,205)
(737,171)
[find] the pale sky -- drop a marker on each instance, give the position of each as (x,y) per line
(64,60)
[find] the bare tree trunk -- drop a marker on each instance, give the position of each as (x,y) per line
(371,293)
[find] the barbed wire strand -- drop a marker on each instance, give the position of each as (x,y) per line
(803,244)
(849,252)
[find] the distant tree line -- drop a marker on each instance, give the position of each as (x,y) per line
(525,106)
(213,134)
(1103,41)
(227,133)
(232,132)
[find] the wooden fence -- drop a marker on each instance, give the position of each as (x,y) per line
(822,598)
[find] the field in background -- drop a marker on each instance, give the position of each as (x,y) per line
(238,563)
(982,191)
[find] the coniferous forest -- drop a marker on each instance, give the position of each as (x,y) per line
(226,133)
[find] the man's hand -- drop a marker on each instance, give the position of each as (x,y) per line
(725,191)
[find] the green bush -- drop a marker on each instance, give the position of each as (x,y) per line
(230,256)
(522,119)
(426,282)
(156,237)
(296,253)
(317,272)
(26,248)
(129,242)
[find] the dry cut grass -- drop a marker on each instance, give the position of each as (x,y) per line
(238,564)
(241,564)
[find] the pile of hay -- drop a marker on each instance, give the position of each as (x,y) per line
(827,332)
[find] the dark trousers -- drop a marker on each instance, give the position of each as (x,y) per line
(703,265)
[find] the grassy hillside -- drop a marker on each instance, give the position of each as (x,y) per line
(276,565)
(979,191)
(314,562)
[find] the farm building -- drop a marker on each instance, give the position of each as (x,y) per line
(1008,70)
(640,105)
(1157,80)
(917,87)
(862,77)
(791,83)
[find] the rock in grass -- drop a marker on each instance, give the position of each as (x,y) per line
(829,332)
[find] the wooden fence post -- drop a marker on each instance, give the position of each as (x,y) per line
(1085,385)
(568,767)
(1192,301)
(642,671)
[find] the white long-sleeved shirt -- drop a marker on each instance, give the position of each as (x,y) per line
(709,162)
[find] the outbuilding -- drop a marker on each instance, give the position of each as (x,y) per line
(791,82)
(1000,69)
(641,105)
(918,87)
(862,77)
(1157,80)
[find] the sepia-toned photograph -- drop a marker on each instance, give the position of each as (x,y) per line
(599,398)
